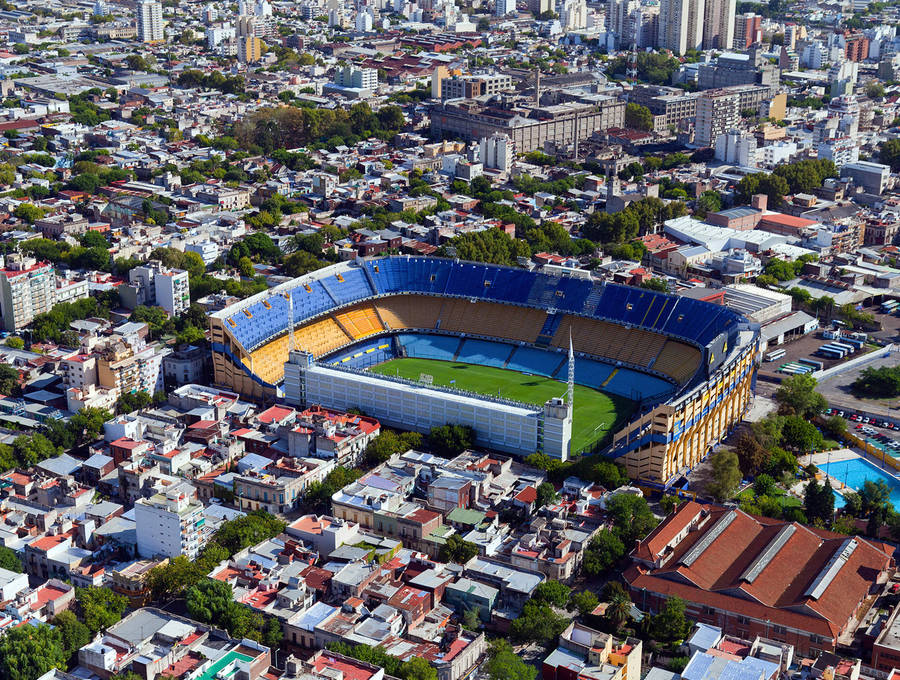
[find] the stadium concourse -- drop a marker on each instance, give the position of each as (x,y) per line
(688,366)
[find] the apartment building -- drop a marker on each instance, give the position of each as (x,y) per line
(170,523)
(718,111)
(278,487)
(153,284)
(27,288)
(675,104)
(469,87)
(150,21)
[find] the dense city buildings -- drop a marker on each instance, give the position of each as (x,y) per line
(446,341)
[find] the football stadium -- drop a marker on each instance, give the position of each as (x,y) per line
(531,361)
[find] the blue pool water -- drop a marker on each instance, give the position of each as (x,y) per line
(855,471)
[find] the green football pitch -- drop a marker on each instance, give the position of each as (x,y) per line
(596,413)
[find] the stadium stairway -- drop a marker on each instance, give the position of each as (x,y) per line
(343,326)
(327,290)
(611,376)
(458,349)
(509,357)
(593,299)
(560,366)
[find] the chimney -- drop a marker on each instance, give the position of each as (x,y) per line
(759,201)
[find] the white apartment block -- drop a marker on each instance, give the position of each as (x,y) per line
(681,25)
(153,284)
(717,112)
(497,152)
(27,288)
(150,21)
(171,523)
(355,77)
(504,7)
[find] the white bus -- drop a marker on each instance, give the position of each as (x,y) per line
(774,355)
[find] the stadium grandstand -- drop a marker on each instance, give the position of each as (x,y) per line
(688,366)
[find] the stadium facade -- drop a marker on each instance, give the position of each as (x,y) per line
(689,366)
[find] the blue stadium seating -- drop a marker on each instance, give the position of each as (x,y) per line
(364,355)
(484,353)
(355,286)
(510,285)
(440,347)
(634,385)
(587,372)
(537,361)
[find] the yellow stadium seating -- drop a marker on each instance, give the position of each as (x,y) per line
(608,340)
(678,360)
(319,337)
(409,311)
(492,319)
(360,321)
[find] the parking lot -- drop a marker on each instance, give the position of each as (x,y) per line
(882,434)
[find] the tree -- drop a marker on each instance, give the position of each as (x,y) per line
(818,501)
(618,609)
(726,474)
(709,202)
(9,560)
(671,625)
(87,424)
(418,668)
(889,153)
(173,579)
(800,435)
(72,633)
(9,380)
(764,485)
(552,592)
(100,607)
(546,494)
(878,382)
(773,186)
(631,516)
(15,342)
(797,395)
(752,455)
(584,602)
(389,443)
(27,652)
(603,552)
(252,528)
(609,474)
(537,622)
(210,600)
(638,117)
(28,212)
(451,440)
(491,245)
(504,664)
(458,550)
(874,496)
(837,426)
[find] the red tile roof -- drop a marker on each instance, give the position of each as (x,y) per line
(759,567)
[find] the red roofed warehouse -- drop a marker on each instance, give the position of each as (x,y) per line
(759,576)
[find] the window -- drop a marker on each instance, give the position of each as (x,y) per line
(781,630)
(743,620)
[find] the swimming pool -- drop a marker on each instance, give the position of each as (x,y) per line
(855,471)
